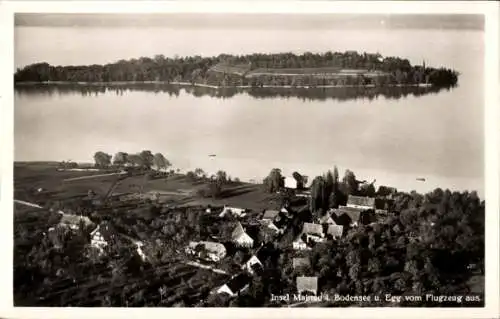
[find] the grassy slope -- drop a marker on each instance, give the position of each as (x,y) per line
(179,189)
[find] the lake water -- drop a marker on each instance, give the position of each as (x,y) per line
(439,137)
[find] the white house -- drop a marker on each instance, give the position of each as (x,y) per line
(214,251)
(239,212)
(240,238)
(309,284)
(326,219)
(351,216)
(310,233)
(102,235)
(139,245)
(236,284)
(361,202)
(271,215)
(291,182)
(251,264)
(73,221)
(335,231)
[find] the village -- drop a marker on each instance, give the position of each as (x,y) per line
(247,238)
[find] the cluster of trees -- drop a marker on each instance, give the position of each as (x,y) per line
(432,243)
(144,159)
(196,69)
(215,186)
(326,190)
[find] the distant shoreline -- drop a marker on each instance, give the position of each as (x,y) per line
(188,84)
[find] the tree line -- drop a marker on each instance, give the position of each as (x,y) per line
(145,160)
(196,69)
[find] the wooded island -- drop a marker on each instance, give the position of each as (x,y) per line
(255,70)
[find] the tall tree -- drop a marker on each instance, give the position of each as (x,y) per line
(274,181)
(121,158)
(147,159)
(221,177)
(102,159)
(350,182)
(317,200)
(160,161)
(329,187)
(300,180)
(136,160)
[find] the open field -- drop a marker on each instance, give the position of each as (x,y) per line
(177,188)
(321,71)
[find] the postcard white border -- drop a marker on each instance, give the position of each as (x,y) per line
(492,153)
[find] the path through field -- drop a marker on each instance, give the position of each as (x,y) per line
(219,271)
(27,203)
(93,176)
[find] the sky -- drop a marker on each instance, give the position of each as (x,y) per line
(263,21)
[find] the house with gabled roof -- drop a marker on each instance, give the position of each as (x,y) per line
(286,212)
(307,284)
(272,226)
(235,285)
(270,214)
(326,219)
(348,216)
(73,221)
(103,235)
(253,265)
(235,211)
(300,263)
(240,238)
(361,202)
(335,231)
(310,233)
(291,182)
(207,250)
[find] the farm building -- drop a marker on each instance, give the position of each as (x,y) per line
(307,284)
(54,234)
(271,215)
(253,265)
(300,263)
(335,231)
(348,216)
(207,250)
(326,219)
(240,238)
(102,236)
(268,233)
(269,224)
(235,285)
(73,221)
(305,194)
(361,202)
(310,233)
(291,183)
(286,212)
(139,250)
(238,212)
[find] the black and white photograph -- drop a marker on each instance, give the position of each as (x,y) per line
(263,160)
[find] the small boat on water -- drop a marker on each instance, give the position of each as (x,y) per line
(212,155)
(421,179)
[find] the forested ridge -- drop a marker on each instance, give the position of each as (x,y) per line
(280,69)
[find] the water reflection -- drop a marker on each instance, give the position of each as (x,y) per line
(319,94)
